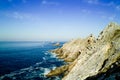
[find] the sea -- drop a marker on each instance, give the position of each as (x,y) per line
(28,60)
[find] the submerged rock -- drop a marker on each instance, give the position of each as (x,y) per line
(91,57)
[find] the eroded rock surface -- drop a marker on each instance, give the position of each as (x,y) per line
(91,57)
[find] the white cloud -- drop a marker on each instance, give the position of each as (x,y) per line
(18,15)
(85,11)
(103,17)
(98,2)
(24,1)
(15,15)
(45,2)
(112,17)
(110,4)
(10,0)
(118,7)
(91,1)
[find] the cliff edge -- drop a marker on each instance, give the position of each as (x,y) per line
(91,58)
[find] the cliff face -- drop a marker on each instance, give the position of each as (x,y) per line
(90,57)
(71,50)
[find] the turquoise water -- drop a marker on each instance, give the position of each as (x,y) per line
(27,60)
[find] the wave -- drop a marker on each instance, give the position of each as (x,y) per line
(46,71)
(35,71)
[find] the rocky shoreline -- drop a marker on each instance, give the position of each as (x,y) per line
(91,58)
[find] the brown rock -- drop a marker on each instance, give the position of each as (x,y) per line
(57,71)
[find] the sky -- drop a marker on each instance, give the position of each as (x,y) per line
(44,20)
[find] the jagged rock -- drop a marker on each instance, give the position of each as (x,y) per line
(92,57)
(71,50)
(57,44)
(57,71)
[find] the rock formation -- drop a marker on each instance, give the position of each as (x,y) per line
(56,44)
(91,58)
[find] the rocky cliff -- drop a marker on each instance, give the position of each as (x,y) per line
(91,58)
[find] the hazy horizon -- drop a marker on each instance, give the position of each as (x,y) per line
(55,20)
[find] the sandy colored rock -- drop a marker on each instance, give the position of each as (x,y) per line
(100,58)
(91,56)
(57,71)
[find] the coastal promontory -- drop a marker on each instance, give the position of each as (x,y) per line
(91,58)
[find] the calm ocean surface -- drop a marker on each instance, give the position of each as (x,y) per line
(27,60)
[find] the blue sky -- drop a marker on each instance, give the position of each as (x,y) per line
(39,20)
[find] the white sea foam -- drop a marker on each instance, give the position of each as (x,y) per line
(24,69)
(46,53)
(46,71)
(38,63)
(60,60)
(53,68)
(57,78)
(44,58)
(53,56)
(43,43)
